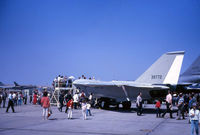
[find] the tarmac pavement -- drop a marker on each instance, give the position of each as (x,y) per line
(28,121)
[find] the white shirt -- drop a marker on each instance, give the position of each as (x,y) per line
(59,78)
(139,99)
(90,97)
(88,106)
(10,96)
(169,98)
(75,97)
(83,105)
(14,95)
(196,114)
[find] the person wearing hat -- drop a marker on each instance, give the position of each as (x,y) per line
(194,117)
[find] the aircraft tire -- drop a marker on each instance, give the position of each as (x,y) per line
(126,105)
(104,105)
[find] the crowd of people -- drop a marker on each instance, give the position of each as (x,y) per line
(14,99)
(35,99)
(84,77)
(183,102)
(188,105)
(3,96)
(60,81)
(69,101)
(76,101)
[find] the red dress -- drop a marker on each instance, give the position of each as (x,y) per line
(34,99)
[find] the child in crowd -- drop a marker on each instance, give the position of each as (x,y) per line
(20,99)
(84,106)
(70,107)
(88,106)
(158,105)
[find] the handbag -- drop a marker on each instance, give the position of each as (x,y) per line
(49,112)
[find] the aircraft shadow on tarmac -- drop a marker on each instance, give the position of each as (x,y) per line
(134,110)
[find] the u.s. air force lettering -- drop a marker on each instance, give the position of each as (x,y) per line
(156,76)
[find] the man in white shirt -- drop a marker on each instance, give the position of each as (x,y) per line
(139,104)
(59,81)
(194,117)
(14,98)
(10,102)
(168,104)
(76,98)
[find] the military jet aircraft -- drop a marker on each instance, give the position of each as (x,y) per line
(16,86)
(190,79)
(5,86)
(192,74)
(22,87)
(153,82)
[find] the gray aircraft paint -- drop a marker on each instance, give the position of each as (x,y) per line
(192,74)
(5,86)
(22,87)
(1,84)
(16,87)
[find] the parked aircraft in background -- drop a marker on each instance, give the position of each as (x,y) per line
(190,79)
(16,86)
(192,74)
(22,87)
(5,86)
(153,82)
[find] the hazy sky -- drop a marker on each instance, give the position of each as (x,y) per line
(108,39)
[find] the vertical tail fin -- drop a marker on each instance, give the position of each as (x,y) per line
(165,70)
(16,84)
(194,69)
(192,74)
